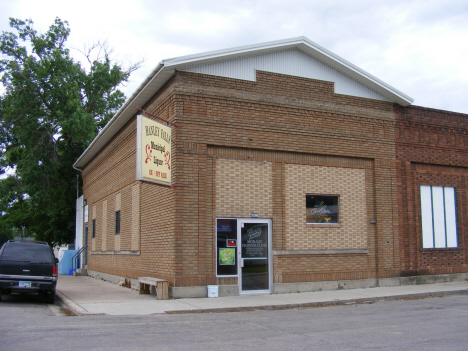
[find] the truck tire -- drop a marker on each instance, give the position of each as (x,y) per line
(50,297)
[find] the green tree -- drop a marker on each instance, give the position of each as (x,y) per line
(6,233)
(51,108)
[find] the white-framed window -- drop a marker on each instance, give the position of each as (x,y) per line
(438,217)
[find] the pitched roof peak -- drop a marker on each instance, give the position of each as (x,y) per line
(166,68)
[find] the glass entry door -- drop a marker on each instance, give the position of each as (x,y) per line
(255,273)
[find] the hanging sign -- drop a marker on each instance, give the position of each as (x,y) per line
(153,151)
(86,214)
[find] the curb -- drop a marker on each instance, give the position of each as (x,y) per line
(68,304)
(324,303)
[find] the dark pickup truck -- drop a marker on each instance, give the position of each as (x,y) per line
(28,267)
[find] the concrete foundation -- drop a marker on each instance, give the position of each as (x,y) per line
(384,282)
(180,292)
(228,290)
(433,279)
(284,288)
(115,279)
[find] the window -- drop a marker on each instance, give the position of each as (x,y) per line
(438,217)
(226,237)
(117,222)
(322,209)
(29,252)
(94,228)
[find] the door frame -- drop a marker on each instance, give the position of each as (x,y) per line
(268,221)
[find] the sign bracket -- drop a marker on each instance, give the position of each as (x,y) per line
(159,118)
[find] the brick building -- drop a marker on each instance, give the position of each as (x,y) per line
(281,175)
(432,160)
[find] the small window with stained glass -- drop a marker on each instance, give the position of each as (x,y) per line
(322,209)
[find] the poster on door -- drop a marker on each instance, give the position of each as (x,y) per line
(227,256)
(255,240)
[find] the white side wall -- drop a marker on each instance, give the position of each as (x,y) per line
(290,62)
(79,227)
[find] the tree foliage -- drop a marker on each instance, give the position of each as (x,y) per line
(51,108)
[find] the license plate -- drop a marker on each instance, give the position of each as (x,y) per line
(24,284)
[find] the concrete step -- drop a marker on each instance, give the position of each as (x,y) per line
(81,272)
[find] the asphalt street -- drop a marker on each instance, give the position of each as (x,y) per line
(434,323)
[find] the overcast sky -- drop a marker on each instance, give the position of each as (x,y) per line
(420,47)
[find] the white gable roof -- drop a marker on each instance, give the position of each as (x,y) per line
(298,56)
(292,62)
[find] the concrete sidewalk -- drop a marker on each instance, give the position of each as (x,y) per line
(87,296)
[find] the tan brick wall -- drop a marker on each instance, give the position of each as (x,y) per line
(118,201)
(109,184)
(114,167)
(243,187)
(103,234)
(432,149)
(117,242)
(135,239)
(158,231)
(284,120)
(349,185)
(124,201)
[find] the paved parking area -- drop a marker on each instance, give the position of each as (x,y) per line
(87,295)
